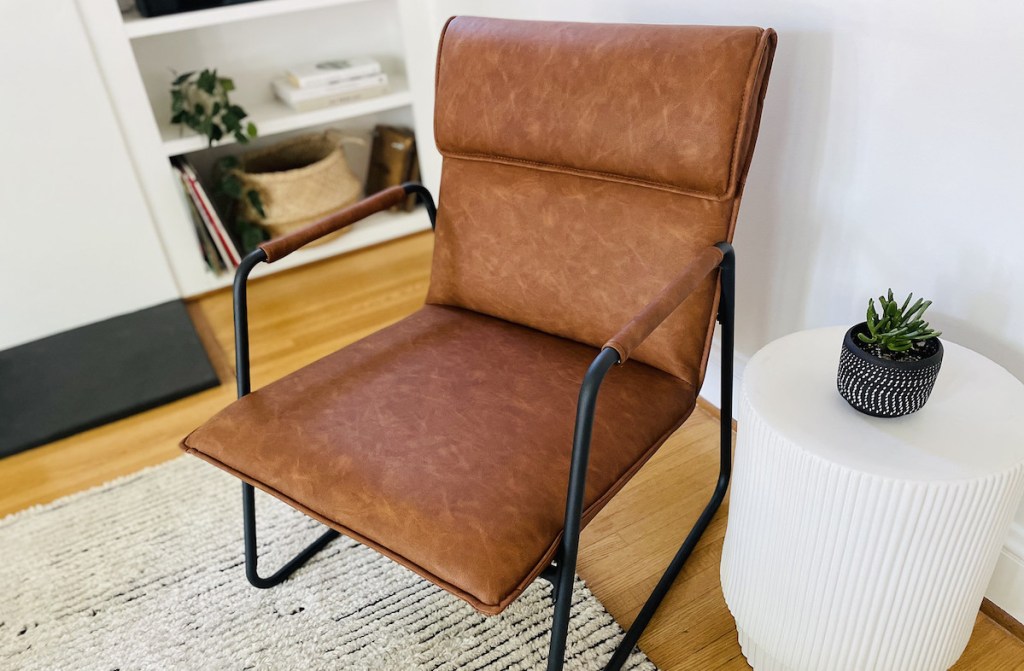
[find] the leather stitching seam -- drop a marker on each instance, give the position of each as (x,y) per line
(592,174)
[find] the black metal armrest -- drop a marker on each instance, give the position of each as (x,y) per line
(277,248)
(280,247)
(668,299)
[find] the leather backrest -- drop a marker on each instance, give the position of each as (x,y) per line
(585,164)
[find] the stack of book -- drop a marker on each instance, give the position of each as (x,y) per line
(313,86)
(220,250)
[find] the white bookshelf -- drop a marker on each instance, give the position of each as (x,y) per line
(253,43)
(136,25)
(274,117)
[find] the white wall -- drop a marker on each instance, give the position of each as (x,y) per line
(890,154)
(79,243)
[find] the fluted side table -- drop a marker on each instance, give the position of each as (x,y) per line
(859,543)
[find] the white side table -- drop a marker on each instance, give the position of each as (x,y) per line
(859,543)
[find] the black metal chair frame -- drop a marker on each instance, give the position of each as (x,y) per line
(562,571)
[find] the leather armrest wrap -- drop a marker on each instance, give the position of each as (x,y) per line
(668,299)
(278,248)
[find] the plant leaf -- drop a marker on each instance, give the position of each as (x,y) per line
(226,163)
(916,308)
(254,199)
(207,81)
(231,185)
(903,308)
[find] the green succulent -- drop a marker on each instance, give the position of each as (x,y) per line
(897,328)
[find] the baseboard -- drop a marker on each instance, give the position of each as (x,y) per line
(713,410)
(1003,619)
(1006,589)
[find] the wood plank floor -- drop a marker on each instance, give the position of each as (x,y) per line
(300,316)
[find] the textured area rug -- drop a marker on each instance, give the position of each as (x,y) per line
(147,573)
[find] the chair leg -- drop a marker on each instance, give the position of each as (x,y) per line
(560,622)
(726,315)
(563,580)
(629,641)
(251,559)
(566,568)
(248,494)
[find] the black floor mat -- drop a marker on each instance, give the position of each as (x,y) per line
(79,379)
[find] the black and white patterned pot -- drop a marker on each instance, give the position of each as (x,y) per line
(884,388)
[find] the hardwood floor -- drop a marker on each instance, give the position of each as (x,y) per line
(300,316)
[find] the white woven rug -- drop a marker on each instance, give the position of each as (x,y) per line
(146,573)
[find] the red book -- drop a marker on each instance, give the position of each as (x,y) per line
(225,245)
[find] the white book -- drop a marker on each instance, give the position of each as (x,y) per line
(294,96)
(336,99)
(324,73)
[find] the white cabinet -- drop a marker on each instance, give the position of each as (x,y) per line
(78,239)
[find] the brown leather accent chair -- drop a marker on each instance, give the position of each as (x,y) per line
(592,175)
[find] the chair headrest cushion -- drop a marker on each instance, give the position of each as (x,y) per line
(669,107)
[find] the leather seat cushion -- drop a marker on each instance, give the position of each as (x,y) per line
(444,441)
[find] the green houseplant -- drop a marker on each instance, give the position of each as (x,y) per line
(890,361)
(899,332)
(234,195)
(201,101)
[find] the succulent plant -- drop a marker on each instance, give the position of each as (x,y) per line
(897,328)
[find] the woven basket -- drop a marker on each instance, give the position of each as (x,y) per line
(300,180)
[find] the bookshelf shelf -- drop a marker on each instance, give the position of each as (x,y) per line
(137,26)
(272,117)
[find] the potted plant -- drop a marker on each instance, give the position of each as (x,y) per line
(200,101)
(889,362)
